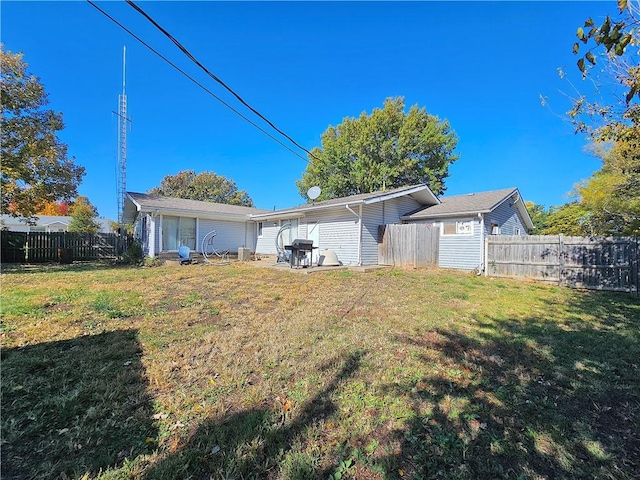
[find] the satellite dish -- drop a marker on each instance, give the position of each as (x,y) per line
(314,192)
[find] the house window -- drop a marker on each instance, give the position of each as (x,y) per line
(144,230)
(495,229)
(37,229)
(517,231)
(457,228)
(177,231)
(260,227)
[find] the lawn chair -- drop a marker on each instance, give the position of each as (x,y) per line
(184,255)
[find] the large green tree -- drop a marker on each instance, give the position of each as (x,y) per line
(35,168)
(205,186)
(569,219)
(612,194)
(539,216)
(388,148)
(83,216)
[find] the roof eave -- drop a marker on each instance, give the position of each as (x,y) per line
(444,215)
(430,196)
(300,211)
(195,213)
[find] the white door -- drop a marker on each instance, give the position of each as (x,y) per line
(313,233)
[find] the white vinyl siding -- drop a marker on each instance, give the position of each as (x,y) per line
(229,235)
(339,230)
(461,251)
(266,244)
(146,230)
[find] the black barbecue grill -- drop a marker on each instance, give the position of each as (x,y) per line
(299,249)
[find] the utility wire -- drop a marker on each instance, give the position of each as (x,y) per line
(195,60)
(196,82)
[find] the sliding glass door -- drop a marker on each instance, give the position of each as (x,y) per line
(178,231)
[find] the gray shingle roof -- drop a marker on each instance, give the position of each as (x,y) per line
(147,202)
(463,204)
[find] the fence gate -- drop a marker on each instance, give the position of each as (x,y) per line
(413,244)
(596,263)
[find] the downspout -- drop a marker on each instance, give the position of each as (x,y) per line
(359,231)
(197,232)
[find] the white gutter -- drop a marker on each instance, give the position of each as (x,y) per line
(359,231)
(232,217)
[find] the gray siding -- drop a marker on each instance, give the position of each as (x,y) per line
(462,251)
(381,213)
(372,216)
(397,207)
(508,219)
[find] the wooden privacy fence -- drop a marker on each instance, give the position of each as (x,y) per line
(414,245)
(597,263)
(41,247)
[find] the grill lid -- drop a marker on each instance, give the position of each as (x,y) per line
(302,243)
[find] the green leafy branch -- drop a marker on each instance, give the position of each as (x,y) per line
(616,37)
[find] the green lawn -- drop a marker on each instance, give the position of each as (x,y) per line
(239,372)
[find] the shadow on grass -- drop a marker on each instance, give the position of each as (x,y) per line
(74,407)
(528,397)
(255,443)
(76,266)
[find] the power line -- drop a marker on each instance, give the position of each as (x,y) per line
(197,83)
(214,77)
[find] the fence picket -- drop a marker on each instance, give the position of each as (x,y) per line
(42,247)
(597,263)
(414,245)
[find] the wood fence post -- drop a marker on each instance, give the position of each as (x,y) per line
(560,260)
(486,256)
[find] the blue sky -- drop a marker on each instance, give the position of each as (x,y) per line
(305,66)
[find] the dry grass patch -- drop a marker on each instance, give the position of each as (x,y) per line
(237,372)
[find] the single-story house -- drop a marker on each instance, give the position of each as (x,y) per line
(47,223)
(347,225)
(162,224)
(466,220)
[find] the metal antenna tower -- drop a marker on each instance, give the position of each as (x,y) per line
(121,172)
